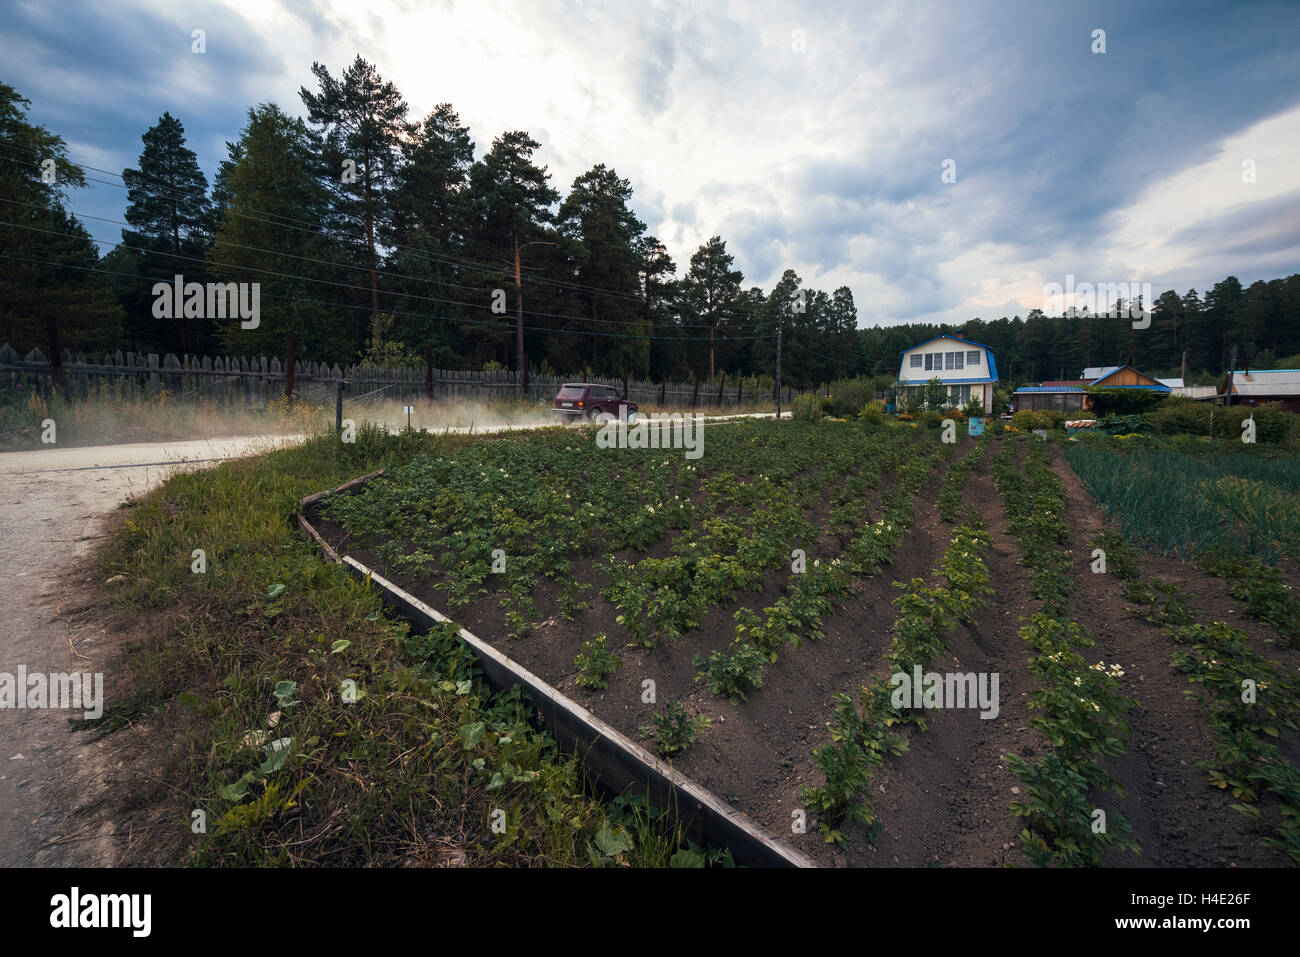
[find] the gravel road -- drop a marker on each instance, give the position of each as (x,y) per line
(52,506)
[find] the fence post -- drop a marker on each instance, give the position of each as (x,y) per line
(338,405)
(56,355)
(289,370)
(720,387)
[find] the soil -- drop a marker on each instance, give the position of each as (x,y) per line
(945,802)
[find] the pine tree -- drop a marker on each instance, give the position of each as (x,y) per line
(49,251)
(271,190)
(512,199)
(428,230)
(602,234)
(361,120)
(170,219)
(710,290)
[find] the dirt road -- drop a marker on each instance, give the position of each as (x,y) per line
(52,506)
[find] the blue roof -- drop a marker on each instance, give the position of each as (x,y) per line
(988,356)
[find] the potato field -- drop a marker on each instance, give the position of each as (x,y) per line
(886,648)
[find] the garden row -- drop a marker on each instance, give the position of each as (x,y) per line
(1081,711)
(862,733)
(1249,701)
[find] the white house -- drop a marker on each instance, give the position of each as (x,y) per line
(966,368)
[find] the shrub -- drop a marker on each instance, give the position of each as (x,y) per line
(808,407)
(872,413)
(848,396)
(1026,420)
(932,418)
(1180,416)
(1124,401)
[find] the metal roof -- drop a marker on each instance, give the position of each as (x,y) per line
(1267,382)
(1048,388)
(1098,372)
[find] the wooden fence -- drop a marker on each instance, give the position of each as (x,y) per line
(255,381)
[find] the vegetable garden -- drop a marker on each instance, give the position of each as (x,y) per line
(748,614)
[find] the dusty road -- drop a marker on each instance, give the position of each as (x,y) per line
(52,506)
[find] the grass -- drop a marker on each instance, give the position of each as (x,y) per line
(398,752)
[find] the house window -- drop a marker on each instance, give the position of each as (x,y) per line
(929,361)
(916,360)
(953,360)
(973,358)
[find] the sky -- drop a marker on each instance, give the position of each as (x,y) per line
(945,161)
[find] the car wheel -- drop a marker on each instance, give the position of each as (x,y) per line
(593,415)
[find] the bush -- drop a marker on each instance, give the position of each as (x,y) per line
(1181,416)
(872,413)
(734,675)
(1124,425)
(848,396)
(1124,401)
(1026,420)
(807,407)
(932,418)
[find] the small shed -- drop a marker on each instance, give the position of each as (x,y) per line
(1260,386)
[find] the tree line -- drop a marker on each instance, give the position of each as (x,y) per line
(375,235)
(1192,336)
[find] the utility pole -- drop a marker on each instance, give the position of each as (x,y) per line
(519,309)
(1232,374)
(780,313)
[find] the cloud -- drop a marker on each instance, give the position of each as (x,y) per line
(1115,166)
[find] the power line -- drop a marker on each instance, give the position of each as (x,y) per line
(362,308)
(317,229)
(352,286)
(320,230)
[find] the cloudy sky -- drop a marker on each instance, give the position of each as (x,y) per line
(811,136)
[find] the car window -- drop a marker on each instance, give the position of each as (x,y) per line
(570,392)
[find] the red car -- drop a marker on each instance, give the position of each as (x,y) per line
(590,400)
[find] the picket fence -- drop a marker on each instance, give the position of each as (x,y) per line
(256,381)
